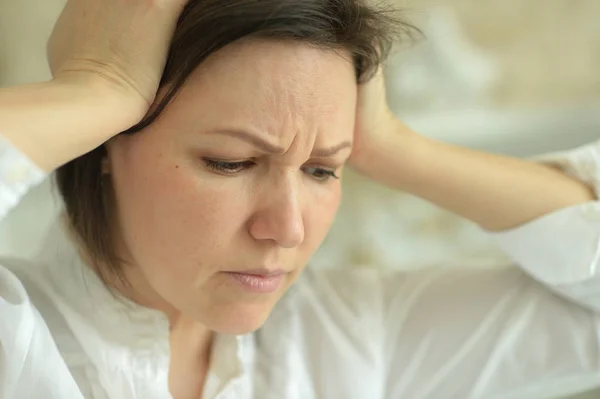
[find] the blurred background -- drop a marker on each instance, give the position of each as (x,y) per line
(518,77)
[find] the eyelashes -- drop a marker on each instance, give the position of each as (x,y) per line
(233,168)
(227,167)
(321,174)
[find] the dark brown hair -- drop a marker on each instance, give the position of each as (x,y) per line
(205,26)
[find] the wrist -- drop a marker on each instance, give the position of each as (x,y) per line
(104,98)
(392,149)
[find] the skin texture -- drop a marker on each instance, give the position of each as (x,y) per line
(181,223)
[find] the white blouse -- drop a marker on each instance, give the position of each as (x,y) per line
(448,333)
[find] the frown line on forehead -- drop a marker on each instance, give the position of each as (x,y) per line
(269,148)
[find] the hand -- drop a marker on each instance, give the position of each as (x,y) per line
(121,44)
(375,124)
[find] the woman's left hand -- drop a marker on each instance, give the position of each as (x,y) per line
(375,125)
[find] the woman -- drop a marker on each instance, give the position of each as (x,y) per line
(167,277)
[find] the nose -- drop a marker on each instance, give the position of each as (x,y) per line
(279,216)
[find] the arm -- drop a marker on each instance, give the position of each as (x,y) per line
(494,191)
(545,213)
(55,122)
(45,125)
(107,59)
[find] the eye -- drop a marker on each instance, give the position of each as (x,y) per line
(321,174)
(225,167)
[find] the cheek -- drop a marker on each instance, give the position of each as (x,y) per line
(319,215)
(169,216)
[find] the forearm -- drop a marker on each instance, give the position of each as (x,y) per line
(55,122)
(496,192)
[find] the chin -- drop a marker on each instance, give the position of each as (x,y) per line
(239,320)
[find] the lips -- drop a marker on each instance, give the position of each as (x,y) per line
(260,281)
(262,272)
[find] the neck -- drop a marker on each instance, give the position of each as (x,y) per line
(190,341)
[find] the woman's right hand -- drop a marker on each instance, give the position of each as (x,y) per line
(122,44)
(107,58)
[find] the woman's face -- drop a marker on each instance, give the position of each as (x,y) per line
(235,179)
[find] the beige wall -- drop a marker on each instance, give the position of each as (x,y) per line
(24,27)
(548,51)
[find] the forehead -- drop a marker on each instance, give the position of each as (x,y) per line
(282,88)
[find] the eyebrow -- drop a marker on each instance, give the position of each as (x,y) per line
(331,151)
(270,148)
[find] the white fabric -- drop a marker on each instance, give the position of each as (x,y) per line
(448,333)
(17,175)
